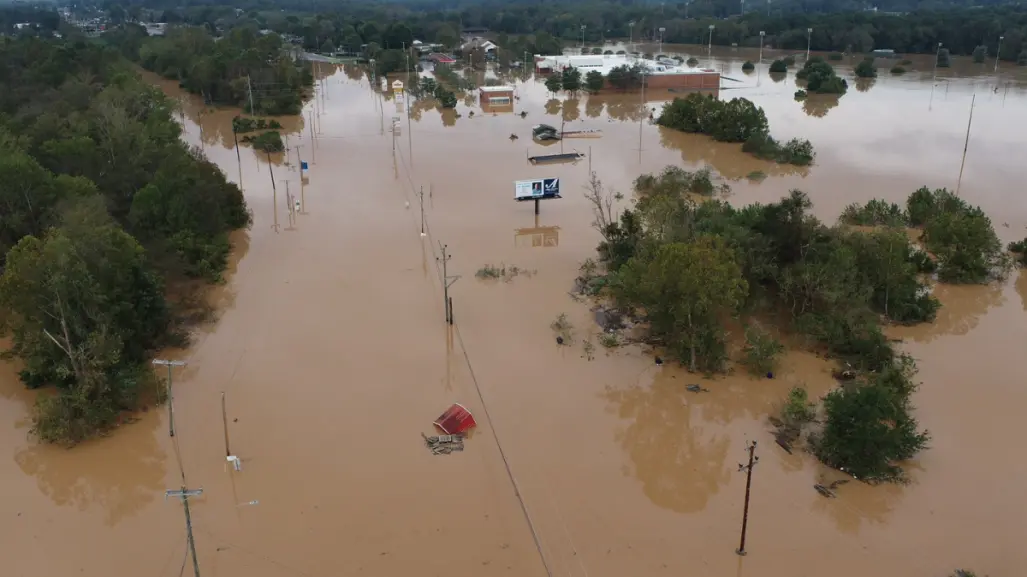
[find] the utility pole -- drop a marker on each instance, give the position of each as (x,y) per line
(447,281)
(274,191)
(809,41)
(303,197)
(753,459)
(313,148)
(998,50)
(171,398)
(184,494)
(249,89)
(420,195)
(288,205)
(966,144)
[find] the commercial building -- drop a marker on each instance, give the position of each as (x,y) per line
(657,74)
(496,98)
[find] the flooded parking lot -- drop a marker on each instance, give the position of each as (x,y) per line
(333,352)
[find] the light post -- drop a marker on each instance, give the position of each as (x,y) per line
(809,41)
(937,55)
(768,8)
(582,35)
(709,49)
(762,34)
(631,33)
(998,50)
(662,30)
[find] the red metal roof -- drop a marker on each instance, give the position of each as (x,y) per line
(441,58)
(456,419)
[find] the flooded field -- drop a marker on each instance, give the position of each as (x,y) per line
(332,349)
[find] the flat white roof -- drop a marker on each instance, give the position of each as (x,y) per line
(497,88)
(605,63)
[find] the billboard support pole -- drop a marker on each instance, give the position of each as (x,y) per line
(536,206)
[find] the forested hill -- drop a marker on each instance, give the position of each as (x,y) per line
(836,26)
(101,204)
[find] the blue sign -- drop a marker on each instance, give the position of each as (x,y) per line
(303,165)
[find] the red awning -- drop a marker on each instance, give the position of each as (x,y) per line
(456,419)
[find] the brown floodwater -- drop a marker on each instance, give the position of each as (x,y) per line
(333,351)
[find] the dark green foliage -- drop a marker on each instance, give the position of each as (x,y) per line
(270,141)
(836,56)
(875,212)
(778,67)
(966,246)
(446,98)
(761,351)
(594,81)
(795,151)
(625,77)
(748,66)
(898,69)
(820,77)
(1019,249)
(243,124)
(980,53)
(95,172)
(869,427)
(827,284)
(866,68)
(944,58)
(729,121)
(1021,59)
(554,83)
(571,79)
(800,94)
(789,60)
(226,70)
(692,61)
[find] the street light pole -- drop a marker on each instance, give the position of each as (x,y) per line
(809,41)
(662,30)
(762,34)
(582,36)
(937,55)
(998,50)
(709,49)
(631,33)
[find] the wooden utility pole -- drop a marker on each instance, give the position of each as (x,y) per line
(184,494)
(420,196)
(171,403)
(313,148)
(224,418)
(966,144)
(274,191)
(753,459)
(447,282)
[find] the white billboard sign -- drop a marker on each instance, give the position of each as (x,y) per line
(537,189)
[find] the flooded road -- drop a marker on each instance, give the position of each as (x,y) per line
(334,355)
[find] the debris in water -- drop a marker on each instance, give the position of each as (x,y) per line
(457,419)
(444,444)
(696,389)
(770,374)
(523,114)
(829,490)
(514,137)
(658,360)
(559,340)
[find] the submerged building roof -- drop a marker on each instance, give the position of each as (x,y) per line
(605,63)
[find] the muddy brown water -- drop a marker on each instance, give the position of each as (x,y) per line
(334,355)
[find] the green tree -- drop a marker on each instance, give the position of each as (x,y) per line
(944,58)
(866,68)
(446,98)
(686,289)
(571,79)
(778,67)
(83,308)
(554,83)
(869,428)
(980,53)
(594,81)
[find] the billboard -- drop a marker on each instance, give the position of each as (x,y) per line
(537,189)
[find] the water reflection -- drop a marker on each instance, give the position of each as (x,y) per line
(121,474)
(865,84)
(858,503)
(818,105)
(571,110)
(594,107)
(962,307)
(537,236)
(680,465)
(725,158)
(553,106)
(778,76)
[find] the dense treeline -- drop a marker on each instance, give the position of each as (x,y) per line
(735,120)
(837,25)
(691,270)
(225,70)
(101,204)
